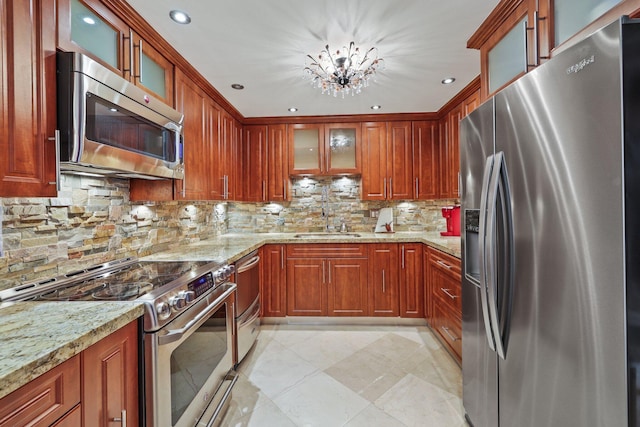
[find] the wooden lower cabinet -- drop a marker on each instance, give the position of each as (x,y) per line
(273,292)
(110,379)
(383,280)
(411,280)
(327,280)
(347,287)
(46,399)
(90,389)
(444,288)
(306,290)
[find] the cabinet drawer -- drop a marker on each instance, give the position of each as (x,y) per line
(449,327)
(448,264)
(447,291)
(326,250)
(72,419)
(45,399)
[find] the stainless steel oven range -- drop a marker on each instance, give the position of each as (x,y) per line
(188,331)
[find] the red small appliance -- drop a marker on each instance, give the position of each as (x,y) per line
(452,215)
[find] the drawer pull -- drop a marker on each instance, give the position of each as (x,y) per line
(122,419)
(446,331)
(445,265)
(446,291)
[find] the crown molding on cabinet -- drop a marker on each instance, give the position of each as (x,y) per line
(496,18)
(466,92)
(341,119)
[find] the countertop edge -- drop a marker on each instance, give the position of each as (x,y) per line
(50,358)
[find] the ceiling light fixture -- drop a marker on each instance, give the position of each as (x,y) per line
(293,109)
(448,80)
(237,86)
(180,17)
(346,71)
(376,107)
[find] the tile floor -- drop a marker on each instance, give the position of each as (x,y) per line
(329,375)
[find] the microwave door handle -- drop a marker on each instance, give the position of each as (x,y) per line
(488,172)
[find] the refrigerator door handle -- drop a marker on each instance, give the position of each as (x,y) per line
(496,288)
(488,172)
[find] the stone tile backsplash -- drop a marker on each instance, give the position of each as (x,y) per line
(93,221)
(304,212)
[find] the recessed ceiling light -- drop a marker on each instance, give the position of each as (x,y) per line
(376,107)
(89,20)
(448,80)
(180,17)
(237,86)
(293,109)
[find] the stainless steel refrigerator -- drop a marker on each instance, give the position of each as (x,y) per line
(551,242)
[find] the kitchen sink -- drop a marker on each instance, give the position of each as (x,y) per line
(320,235)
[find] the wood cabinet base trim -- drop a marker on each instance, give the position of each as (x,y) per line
(343,320)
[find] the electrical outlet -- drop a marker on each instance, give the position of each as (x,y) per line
(374,213)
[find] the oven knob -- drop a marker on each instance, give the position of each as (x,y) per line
(188,296)
(219,276)
(163,310)
(177,303)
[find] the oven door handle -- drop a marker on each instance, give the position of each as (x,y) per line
(175,334)
(247,266)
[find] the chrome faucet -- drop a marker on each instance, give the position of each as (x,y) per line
(325,207)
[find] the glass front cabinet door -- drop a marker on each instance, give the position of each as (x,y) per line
(87,26)
(329,149)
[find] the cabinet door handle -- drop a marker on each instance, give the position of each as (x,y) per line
(130,54)
(383,283)
(384,185)
(323,273)
(56,138)
(446,331)
(282,257)
(121,419)
(284,189)
(391,188)
(446,291)
(329,271)
(184,184)
(417,192)
(139,76)
(445,265)
(264,191)
(403,257)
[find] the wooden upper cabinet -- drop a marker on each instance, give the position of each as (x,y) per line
(191,101)
(452,156)
(426,165)
(399,161)
(28,98)
(374,165)
(324,149)
(277,164)
(470,103)
(255,161)
(387,161)
(519,35)
(89,27)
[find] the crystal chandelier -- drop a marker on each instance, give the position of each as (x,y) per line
(346,71)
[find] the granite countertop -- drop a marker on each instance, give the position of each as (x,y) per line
(231,247)
(38,336)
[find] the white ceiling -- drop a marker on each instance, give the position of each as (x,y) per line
(262,45)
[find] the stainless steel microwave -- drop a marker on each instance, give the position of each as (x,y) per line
(108,126)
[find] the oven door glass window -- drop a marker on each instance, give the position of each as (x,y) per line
(193,362)
(113,125)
